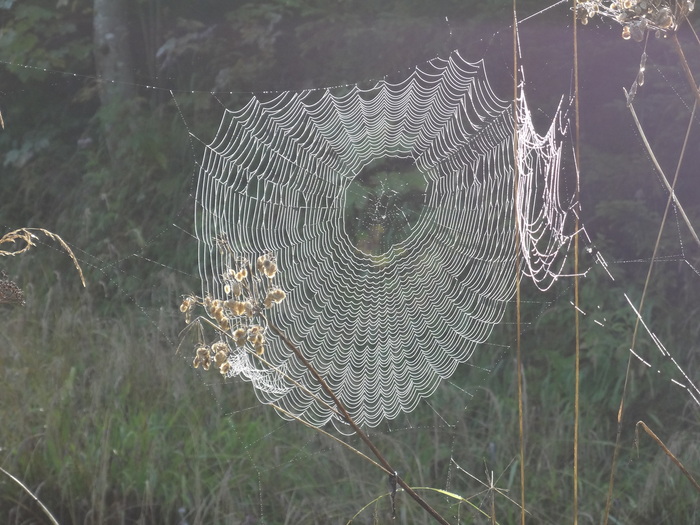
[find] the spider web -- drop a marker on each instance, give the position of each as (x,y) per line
(390,211)
(387,196)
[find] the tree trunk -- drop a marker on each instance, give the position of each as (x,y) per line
(115,70)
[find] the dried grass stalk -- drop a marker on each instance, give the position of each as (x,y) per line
(27,236)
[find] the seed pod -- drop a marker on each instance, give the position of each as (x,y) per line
(640,78)
(260,263)
(186,304)
(240,336)
(270,268)
(637,32)
(248,308)
(220,358)
(277,295)
(219,346)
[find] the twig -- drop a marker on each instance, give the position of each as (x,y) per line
(328,434)
(445,493)
(686,67)
(661,172)
(672,196)
(27,236)
(666,450)
(516,183)
(577,318)
(341,408)
(24,487)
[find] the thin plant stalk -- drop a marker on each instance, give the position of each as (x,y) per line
(341,408)
(37,500)
(577,320)
(661,444)
(671,197)
(521,426)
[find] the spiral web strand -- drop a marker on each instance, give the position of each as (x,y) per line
(384,319)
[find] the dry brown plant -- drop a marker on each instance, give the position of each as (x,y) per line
(23,240)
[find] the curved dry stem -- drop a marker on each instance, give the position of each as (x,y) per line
(37,500)
(675,460)
(27,236)
(446,493)
(346,416)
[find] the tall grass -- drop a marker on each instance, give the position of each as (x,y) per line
(106,424)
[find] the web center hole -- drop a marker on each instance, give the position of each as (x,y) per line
(383,204)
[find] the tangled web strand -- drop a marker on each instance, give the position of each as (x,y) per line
(382,326)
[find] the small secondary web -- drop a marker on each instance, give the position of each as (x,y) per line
(391,213)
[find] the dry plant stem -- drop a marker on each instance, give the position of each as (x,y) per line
(445,493)
(341,408)
(671,197)
(331,436)
(663,176)
(493,508)
(25,235)
(38,502)
(490,488)
(666,450)
(577,322)
(521,426)
(686,67)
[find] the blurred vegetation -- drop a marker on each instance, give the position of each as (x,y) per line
(107,424)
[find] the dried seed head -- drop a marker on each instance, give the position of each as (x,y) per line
(664,18)
(238,308)
(260,263)
(219,346)
(217,313)
(248,308)
(203,357)
(277,295)
(187,303)
(270,268)
(220,358)
(257,339)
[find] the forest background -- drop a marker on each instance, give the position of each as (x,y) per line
(107,424)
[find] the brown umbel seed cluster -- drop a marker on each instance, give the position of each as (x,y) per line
(10,293)
(638,17)
(238,316)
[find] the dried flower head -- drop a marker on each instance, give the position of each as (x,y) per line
(10,293)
